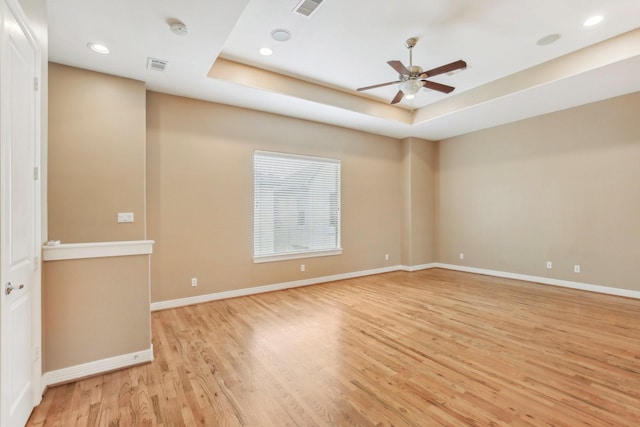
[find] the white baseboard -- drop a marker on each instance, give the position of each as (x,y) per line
(545,280)
(97,367)
(411,268)
(163,305)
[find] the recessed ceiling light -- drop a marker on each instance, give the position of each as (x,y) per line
(548,39)
(594,20)
(281,35)
(98,48)
(409,96)
(265,51)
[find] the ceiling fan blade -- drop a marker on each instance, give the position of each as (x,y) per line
(399,67)
(398,97)
(445,69)
(375,86)
(438,86)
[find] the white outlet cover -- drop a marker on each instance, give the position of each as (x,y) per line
(125,217)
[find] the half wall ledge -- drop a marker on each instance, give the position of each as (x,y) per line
(65,251)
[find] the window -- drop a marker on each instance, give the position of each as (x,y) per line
(296,206)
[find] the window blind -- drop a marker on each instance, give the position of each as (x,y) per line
(296,206)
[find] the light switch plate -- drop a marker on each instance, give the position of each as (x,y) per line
(125,216)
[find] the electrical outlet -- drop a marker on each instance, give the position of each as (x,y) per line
(194,281)
(549,265)
(576,269)
(461,255)
(125,217)
(386,257)
(301,267)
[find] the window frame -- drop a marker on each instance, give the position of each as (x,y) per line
(338,219)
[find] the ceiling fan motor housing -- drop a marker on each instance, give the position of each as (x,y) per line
(415,72)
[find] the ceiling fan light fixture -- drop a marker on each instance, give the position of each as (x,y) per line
(414,78)
(411,87)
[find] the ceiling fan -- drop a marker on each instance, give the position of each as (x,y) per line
(413,78)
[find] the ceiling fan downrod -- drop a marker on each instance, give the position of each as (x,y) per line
(410,43)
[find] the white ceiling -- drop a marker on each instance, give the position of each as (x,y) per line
(346,44)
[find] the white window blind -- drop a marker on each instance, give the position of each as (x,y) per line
(296,206)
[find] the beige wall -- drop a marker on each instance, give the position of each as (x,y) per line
(96,156)
(200,195)
(95,309)
(419,180)
(561,187)
(552,188)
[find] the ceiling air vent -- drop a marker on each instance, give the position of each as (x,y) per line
(157,64)
(307,7)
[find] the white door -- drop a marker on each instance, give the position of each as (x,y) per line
(18,216)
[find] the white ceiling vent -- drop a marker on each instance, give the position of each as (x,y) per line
(157,64)
(307,7)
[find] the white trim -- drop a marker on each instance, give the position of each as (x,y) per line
(162,305)
(280,154)
(297,255)
(96,250)
(545,281)
(97,367)
(411,268)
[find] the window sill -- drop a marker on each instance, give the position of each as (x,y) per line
(274,258)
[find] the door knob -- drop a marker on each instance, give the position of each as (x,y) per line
(9,288)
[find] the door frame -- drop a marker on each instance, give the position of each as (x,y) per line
(36,309)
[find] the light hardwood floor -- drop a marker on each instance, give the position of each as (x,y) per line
(426,348)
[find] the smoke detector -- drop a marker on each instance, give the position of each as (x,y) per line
(179,28)
(280,35)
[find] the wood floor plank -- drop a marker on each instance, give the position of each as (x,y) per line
(426,348)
